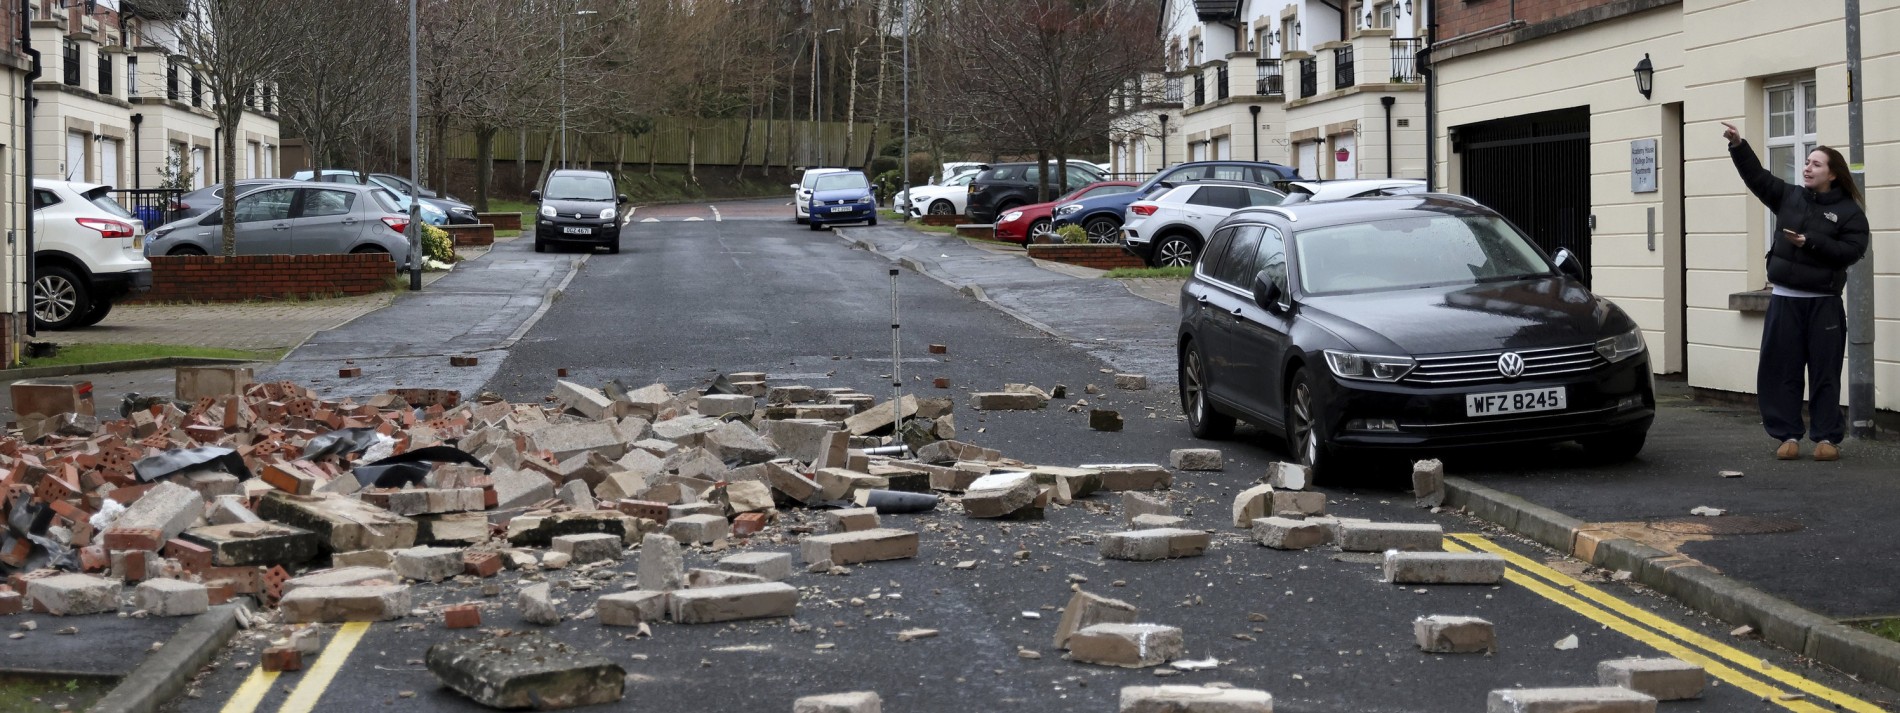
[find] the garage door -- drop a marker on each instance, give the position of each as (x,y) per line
(75,157)
(1343,144)
(109,163)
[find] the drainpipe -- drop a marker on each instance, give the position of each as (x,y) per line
(33,55)
(1255,111)
(217,173)
(1387,102)
(136,120)
(1164,142)
(1431,95)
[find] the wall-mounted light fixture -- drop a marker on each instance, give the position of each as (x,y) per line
(1645,76)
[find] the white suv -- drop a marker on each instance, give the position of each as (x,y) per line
(87,252)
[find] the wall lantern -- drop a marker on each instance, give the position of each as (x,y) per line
(1645,76)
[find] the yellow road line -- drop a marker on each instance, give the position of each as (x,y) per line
(303,698)
(251,692)
(1666,645)
(1689,636)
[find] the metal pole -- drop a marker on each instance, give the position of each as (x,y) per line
(897,367)
(906,156)
(561,58)
(1860,277)
(818,102)
(414,229)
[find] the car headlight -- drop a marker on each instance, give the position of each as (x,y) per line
(1011,216)
(1368,367)
(1621,346)
(607,214)
(1068,210)
(547,211)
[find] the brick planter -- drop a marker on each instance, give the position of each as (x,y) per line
(986,232)
(206,278)
(942,221)
(1100,257)
(479,235)
(501,221)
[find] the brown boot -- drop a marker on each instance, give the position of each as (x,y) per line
(1790,449)
(1825,452)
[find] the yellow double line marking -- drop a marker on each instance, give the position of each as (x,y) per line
(1656,631)
(303,698)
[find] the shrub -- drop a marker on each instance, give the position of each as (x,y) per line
(437,245)
(1072,234)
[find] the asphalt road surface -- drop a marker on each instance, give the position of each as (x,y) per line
(747,290)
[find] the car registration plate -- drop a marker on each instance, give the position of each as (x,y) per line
(841,209)
(1502,402)
(578,231)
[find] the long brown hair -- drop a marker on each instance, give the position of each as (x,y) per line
(1843,178)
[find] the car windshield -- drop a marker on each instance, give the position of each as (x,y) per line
(1404,253)
(102,197)
(578,188)
(840,181)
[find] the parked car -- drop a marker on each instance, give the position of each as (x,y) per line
(332,175)
(87,254)
(801,192)
(1031,223)
(948,198)
(209,198)
(1355,188)
(1169,229)
(841,197)
(455,212)
(1404,323)
(579,206)
(1003,187)
(296,219)
(1102,216)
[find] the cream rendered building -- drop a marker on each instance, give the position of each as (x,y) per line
(1541,116)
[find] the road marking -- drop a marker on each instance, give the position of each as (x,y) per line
(695,219)
(303,698)
(650,220)
(1689,636)
(1720,670)
(251,692)
(716,217)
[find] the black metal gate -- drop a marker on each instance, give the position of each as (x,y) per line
(1535,170)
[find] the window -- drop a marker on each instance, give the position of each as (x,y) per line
(1237,267)
(1401,253)
(319,203)
(44,198)
(841,182)
(1791,131)
(1105,191)
(1231,173)
(1271,259)
(131,76)
(265,206)
(105,72)
(595,188)
(1229,197)
(1261,196)
(1383,15)
(1208,265)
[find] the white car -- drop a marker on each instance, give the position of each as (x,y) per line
(88,251)
(951,170)
(801,193)
(1356,188)
(947,198)
(1168,229)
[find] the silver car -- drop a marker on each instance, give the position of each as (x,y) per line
(1168,228)
(209,198)
(296,219)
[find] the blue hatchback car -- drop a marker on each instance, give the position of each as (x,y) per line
(843,197)
(1102,216)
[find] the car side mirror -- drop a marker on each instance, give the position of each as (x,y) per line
(1165,184)
(1266,292)
(794,186)
(1568,264)
(535,195)
(621,199)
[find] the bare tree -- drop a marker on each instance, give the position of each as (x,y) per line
(335,92)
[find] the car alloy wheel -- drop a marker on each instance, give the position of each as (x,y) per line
(1040,232)
(1203,420)
(1302,433)
(1103,230)
(942,208)
(1175,252)
(58,298)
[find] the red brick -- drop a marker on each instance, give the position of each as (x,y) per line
(11,603)
(282,658)
(481,564)
(748,524)
(461,616)
(119,539)
(195,558)
(657,512)
(94,559)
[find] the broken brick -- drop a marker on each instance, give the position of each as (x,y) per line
(462,616)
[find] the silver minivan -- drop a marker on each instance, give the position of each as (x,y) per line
(296,219)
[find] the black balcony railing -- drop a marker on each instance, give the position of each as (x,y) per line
(267,99)
(171,81)
(1309,77)
(105,72)
(1405,59)
(250,97)
(1270,82)
(153,206)
(1200,89)
(1221,92)
(1171,90)
(69,57)
(197,90)
(1342,67)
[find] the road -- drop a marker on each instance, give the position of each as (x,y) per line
(744,289)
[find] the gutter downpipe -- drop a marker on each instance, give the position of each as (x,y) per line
(33,55)
(1387,102)
(1431,95)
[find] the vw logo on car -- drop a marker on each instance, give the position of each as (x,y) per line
(1511,365)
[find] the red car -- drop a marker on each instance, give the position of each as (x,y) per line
(1030,223)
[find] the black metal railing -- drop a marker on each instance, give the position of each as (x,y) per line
(197,90)
(1405,59)
(171,81)
(1309,77)
(1269,82)
(267,104)
(153,206)
(69,56)
(1221,91)
(105,72)
(1171,90)
(1342,67)
(1200,88)
(250,97)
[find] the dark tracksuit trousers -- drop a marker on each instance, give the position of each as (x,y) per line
(1803,336)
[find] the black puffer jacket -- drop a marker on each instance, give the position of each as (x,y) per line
(1834,225)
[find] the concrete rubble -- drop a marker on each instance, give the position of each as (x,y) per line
(1665,679)
(1194,699)
(1454,635)
(526,671)
(1127,645)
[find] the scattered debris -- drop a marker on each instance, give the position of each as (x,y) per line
(1566,644)
(1454,635)
(1706,511)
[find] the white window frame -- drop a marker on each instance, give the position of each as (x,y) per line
(1802,140)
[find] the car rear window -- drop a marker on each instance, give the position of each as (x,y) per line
(102,197)
(387,201)
(1003,173)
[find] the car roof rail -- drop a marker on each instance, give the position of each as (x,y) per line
(1290,216)
(1452,197)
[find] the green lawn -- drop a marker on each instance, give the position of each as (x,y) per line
(527,211)
(97,353)
(33,694)
(1883,628)
(1164,272)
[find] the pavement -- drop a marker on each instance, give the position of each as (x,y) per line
(252,326)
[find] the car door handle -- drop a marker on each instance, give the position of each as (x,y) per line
(280,226)
(1238,313)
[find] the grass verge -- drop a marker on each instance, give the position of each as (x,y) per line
(1884,628)
(71,354)
(527,211)
(1175,273)
(35,694)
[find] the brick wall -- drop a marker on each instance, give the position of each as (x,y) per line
(1100,257)
(204,278)
(1462,17)
(501,221)
(472,235)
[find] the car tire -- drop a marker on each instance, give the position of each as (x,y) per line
(817,226)
(95,315)
(1614,447)
(540,245)
(60,300)
(185,251)
(1304,442)
(801,220)
(872,221)
(1204,420)
(1175,251)
(1103,230)
(613,248)
(942,207)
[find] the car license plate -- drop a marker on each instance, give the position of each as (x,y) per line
(578,231)
(1501,402)
(841,209)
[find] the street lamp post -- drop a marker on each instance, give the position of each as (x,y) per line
(817,70)
(562,58)
(905,159)
(414,226)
